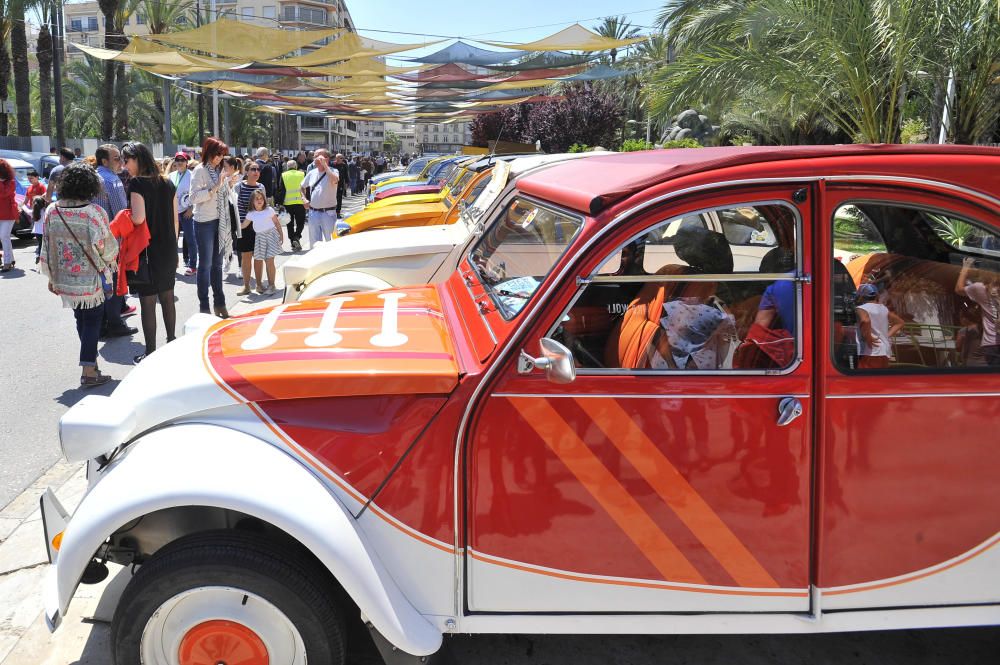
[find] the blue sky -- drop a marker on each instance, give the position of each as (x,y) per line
(507,20)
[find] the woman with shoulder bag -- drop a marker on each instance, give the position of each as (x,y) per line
(152,199)
(78,257)
(8,213)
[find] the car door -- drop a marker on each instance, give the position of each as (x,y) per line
(673,473)
(908,489)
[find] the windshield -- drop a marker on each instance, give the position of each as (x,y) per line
(457,185)
(520,249)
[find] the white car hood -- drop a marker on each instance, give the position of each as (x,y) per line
(354,250)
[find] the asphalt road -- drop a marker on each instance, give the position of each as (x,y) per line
(39,371)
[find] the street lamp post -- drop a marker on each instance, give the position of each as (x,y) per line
(215,92)
(57,63)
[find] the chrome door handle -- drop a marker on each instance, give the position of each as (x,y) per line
(789,408)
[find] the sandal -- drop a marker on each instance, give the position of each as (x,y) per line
(94,381)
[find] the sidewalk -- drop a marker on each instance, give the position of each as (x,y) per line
(82,638)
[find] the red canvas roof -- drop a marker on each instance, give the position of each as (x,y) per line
(590,185)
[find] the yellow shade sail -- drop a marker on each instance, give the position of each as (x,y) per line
(347,47)
(496,102)
(140,52)
(235,39)
(574,38)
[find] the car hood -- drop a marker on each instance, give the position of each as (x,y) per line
(356,250)
(394,342)
(413,214)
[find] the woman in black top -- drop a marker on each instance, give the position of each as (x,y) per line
(245,244)
(152,200)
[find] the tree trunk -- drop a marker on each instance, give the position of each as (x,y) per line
(121,103)
(4,82)
(19,54)
(44,53)
(108,9)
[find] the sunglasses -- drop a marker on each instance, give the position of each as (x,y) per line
(253,169)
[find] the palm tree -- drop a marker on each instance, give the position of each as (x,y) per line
(616,27)
(19,55)
(162,16)
(4,64)
(44,53)
(111,40)
(853,61)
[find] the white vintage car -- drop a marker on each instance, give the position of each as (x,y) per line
(417,255)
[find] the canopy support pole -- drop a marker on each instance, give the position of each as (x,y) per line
(215,92)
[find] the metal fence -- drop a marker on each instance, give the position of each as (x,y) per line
(22,143)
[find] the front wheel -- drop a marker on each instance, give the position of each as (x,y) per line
(227,597)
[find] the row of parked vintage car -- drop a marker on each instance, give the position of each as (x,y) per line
(726,390)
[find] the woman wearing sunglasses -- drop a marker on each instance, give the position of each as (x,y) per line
(245,243)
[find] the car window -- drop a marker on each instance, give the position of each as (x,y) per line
(519,250)
(684,295)
(915,289)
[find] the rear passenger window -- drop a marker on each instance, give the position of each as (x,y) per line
(914,289)
(713,290)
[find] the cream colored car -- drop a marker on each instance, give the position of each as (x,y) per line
(392,257)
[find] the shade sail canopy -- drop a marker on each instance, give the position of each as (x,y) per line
(443,73)
(234,39)
(140,52)
(537,74)
(546,60)
(347,47)
(468,54)
(574,38)
(363,66)
(519,85)
(598,73)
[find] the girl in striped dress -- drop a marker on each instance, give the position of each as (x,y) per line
(268,240)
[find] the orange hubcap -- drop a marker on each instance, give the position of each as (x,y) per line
(222,643)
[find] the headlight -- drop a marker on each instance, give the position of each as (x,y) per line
(341,228)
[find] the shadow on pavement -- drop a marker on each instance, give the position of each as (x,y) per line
(13,273)
(71,396)
(121,350)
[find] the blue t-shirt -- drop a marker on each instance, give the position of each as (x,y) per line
(780,297)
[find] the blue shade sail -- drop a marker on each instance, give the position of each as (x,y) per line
(469,55)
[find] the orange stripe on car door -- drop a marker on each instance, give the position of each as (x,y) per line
(674,489)
(605,488)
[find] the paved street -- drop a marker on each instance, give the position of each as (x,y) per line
(39,382)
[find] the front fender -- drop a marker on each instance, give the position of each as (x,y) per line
(207,465)
(342,281)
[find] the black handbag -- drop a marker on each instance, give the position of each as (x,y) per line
(142,275)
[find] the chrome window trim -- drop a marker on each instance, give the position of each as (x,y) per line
(913,181)
(909,395)
(645,396)
(495,366)
(798,277)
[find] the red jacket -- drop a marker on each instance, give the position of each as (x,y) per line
(132,240)
(8,207)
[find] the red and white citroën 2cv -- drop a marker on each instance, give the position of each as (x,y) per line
(725,390)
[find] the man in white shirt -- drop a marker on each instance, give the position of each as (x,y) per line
(181,178)
(319,196)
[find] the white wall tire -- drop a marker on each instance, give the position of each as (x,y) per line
(228,597)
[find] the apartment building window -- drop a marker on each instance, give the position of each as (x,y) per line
(248,12)
(92,24)
(140,18)
(76,25)
(267,11)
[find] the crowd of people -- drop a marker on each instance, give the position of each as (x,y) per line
(112,224)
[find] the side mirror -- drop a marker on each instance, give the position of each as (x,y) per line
(556,361)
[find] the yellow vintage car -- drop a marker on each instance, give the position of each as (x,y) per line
(433,169)
(456,180)
(473,180)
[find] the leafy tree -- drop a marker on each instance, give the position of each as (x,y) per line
(393,143)
(616,27)
(508,124)
(583,115)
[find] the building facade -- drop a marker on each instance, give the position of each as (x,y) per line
(84,24)
(407,136)
(442,138)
